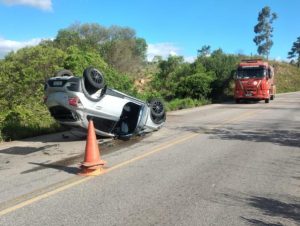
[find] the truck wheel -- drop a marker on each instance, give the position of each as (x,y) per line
(267,100)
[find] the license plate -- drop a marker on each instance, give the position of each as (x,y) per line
(248,94)
(57,83)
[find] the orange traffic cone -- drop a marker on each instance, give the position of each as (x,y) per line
(92,164)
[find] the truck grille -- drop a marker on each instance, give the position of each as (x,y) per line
(251,89)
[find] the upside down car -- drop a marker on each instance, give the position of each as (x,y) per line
(73,101)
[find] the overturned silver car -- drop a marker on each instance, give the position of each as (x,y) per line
(73,101)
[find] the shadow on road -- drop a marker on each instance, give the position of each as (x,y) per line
(271,210)
(260,222)
(41,166)
(66,136)
(276,208)
(25,150)
(279,137)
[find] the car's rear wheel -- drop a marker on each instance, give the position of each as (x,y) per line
(267,100)
(94,77)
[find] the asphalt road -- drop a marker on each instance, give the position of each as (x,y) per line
(223,164)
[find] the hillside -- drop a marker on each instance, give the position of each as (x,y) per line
(287,77)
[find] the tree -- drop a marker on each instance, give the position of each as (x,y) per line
(295,51)
(77,60)
(263,30)
(222,65)
(204,51)
(118,46)
(126,56)
(66,38)
(166,80)
(197,84)
(179,79)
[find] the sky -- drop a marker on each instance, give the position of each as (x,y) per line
(170,27)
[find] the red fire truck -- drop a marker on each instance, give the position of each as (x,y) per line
(254,80)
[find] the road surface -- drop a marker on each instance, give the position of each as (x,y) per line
(222,164)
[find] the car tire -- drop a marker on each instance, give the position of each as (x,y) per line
(94,77)
(88,91)
(64,72)
(267,101)
(272,97)
(158,120)
(157,108)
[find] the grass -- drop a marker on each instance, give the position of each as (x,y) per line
(287,77)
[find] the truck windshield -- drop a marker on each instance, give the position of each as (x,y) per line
(251,72)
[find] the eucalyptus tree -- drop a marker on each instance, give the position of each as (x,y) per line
(264,31)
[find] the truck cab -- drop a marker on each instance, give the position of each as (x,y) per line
(254,80)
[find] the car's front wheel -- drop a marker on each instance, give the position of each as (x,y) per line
(157,107)
(157,110)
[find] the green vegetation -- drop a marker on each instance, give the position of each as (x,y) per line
(121,56)
(295,52)
(287,77)
(178,104)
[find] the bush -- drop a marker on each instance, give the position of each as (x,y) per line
(178,104)
(148,95)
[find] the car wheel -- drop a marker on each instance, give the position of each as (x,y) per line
(89,91)
(267,100)
(94,77)
(157,108)
(64,72)
(272,97)
(158,120)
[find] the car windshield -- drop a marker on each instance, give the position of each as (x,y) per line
(251,72)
